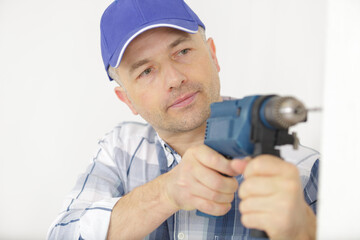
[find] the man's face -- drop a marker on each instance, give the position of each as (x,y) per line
(170,78)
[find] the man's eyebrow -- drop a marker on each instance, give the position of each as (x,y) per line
(138,64)
(179,40)
(171,45)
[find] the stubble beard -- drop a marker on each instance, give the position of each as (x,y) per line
(187,123)
(194,115)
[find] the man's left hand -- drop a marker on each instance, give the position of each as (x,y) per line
(272,198)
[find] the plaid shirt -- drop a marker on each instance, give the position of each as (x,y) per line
(133,154)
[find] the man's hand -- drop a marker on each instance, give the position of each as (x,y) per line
(272,198)
(197,182)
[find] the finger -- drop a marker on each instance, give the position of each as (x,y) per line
(257,186)
(211,208)
(268,165)
(256,220)
(215,181)
(199,190)
(256,205)
(239,165)
(214,160)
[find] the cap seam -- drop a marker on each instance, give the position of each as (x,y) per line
(183,5)
(139,10)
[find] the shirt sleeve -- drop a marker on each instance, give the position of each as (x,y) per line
(311,188)
(87,209)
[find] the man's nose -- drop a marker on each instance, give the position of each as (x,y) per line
(173,76)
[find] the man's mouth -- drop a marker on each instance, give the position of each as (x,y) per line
(184,101)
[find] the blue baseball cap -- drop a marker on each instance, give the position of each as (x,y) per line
(124,20)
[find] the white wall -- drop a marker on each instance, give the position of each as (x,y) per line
(339,209)
(271,47)
(56,101)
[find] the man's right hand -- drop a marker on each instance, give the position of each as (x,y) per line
(198,182)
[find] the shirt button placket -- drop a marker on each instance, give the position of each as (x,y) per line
(168,149)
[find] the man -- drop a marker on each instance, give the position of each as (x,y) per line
(147,181)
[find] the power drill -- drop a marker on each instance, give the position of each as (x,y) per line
(252,126)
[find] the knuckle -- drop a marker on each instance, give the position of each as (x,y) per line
(214,196)
(188,196)
(186,168)
(181,179)
(246,206)
(208,206)
(243,191)
(193,152)
(256,165)
(243,206)
(223,209)
(216,209)
(205,206)
(246,220)
(227,207)
(213,160)
(218,183)
(225,198)
(211,208)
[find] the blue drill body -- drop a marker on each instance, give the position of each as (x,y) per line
(250,127)
(229,127)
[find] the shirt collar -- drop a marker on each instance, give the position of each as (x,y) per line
(170,153)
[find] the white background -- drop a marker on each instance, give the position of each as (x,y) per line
(56,100)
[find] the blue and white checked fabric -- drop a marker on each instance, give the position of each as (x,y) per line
(133,154)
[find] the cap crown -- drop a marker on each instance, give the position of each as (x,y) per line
(123,20)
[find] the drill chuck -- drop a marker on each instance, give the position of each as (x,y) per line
(253,125)
(284,112)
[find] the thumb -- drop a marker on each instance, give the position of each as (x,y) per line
(239,165)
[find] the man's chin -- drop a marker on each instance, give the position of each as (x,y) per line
(186,123)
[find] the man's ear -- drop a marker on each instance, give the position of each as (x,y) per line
(122,95)
(211,45)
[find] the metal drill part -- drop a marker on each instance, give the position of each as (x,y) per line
(314,109)
(296,141)
(284,112)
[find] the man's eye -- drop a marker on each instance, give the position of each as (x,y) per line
(184,51)
(145,72)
